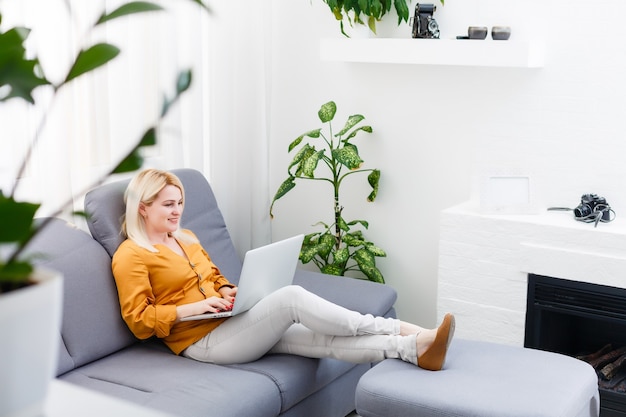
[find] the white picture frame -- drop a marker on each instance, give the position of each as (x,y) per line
(507,192)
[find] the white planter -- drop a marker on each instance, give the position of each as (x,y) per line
(30,320)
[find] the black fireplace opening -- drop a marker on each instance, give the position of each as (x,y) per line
(586,321)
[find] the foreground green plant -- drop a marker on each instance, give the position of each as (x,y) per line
(340,247)
(20,75)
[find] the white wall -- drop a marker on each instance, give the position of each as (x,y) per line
(437,128)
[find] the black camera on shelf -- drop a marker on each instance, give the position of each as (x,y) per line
(424,24)
(592,206)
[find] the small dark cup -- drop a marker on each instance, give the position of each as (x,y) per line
(477,32)
(500,33)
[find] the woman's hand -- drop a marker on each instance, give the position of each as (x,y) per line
(210,305)
(228,293)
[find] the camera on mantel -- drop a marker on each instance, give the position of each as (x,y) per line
(424,24)
(590,204)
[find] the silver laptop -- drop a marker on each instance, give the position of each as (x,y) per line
(264,270)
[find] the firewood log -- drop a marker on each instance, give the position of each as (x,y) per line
(608,358)
(595,355)
(609,371)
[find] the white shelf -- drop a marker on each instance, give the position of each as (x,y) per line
(466,52)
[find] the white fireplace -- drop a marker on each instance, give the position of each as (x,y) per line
(484,261)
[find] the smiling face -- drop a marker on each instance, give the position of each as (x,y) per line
(163,215)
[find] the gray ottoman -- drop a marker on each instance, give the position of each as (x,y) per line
(482,379)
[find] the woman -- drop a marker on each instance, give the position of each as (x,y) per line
(163,274)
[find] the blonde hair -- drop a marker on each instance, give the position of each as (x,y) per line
(144,188)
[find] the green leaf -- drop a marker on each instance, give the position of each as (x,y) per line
(350,123)
(20,74)
(132,162)
(373,178)
(353,240)
(343,225)
(92,58)
(402,9)
(284,188)
(341,256)
(367,264)
(183,81)
(327,242)
(310,164)
(367,129)
(375,250)
(348,156)
(332,269)
(305,152)
(16,219)
(327,112)
(15,272)
(312,134)
(203,5)
(308,253)
(127,9)
(361,222)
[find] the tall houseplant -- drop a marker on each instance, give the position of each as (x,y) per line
(341,246)
(28,350)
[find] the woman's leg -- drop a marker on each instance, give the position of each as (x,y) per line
(249,336)
(333,331)
(299,340)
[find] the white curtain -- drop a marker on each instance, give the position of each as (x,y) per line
(219,127)
(240,62)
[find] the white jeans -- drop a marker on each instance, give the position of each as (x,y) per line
(293,320)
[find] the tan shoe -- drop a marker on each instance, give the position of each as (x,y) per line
(434,358)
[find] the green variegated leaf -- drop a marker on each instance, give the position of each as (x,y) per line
(352,241)
(367,264)
(308,253)
(373,178)
(284,188)
(327,112)
(343,225)
(363,223)
(372,273)
(295,143)
(312,134)
(367,129)
(304,152)
(332,269)
(341,256)
(363,257)
(327,242)
(375,250)
(350,123)
(348,156)
(310,164)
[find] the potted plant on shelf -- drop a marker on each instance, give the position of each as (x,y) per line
(31,298)
(340,247)
(367,12)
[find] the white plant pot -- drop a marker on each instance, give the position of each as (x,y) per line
(30,320)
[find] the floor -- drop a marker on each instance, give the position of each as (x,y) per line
(353,414)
